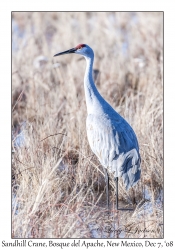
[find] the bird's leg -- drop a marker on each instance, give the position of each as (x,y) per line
(116,184)
(107,185)
(117,207)
(134,197)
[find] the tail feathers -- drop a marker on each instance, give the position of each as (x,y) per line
(131,170)
(130,179)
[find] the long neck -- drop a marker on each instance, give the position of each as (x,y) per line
(91,93)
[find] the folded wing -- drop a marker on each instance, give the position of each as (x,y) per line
(115,144)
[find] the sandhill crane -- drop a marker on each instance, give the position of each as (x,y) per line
(110,136)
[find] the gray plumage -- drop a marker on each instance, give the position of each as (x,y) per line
(110,136)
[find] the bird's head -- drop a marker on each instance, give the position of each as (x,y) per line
(82,49)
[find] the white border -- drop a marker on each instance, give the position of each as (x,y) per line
(5,93)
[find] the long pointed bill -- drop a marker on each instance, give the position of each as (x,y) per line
(66,52)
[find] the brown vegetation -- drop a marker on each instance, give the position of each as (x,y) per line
(57,182)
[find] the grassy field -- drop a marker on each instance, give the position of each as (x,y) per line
(58,186)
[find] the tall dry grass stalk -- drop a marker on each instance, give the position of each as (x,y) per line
(58,186)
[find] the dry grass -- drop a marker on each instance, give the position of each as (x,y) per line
(57,182)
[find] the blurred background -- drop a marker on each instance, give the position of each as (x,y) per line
(58,186)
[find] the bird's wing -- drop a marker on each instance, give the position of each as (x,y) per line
(115,144)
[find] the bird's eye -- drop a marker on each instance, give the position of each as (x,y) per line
(80,48)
